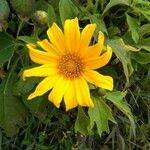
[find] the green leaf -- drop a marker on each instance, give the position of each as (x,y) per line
(51,15)
(144,30)
(23,87)
(7,47)
(142,7)
(117,98)
(144,12)
(113,31)
(146,81)
(100,114)
(113,3)
(133,27)
(82,123)
(141,57)
(27,39)
(67,10)
(4,10)
(41,5)
(144,43)
(12,110)
(121,51)
(100,24)
(37,106)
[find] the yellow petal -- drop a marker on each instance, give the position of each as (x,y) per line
(82,92)
(99,80)
(47,46)
(92,51)
(56,37)
(101,41)
(41,57)
(70,98)
(58,91)
(44,86)
(41,71)
(86,36)
(95,50)
(72,34)
(97,62)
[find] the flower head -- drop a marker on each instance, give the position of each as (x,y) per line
(67,62)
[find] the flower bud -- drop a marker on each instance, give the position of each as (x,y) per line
(40,17)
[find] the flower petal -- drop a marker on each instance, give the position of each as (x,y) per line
(86,36)
(58,91)
(95,50)
(47,46)
(99,80)
(41,71)
(97,62)
(101,41)
(72,34)
(69,97)
(44,86)
(40,57)
(82,92)
(56,37)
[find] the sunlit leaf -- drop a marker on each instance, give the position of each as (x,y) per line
(117,98)
(121,51)
(100,114)
(133,27)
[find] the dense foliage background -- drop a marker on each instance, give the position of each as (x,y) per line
(37,124)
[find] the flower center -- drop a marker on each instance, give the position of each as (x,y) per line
(71,65)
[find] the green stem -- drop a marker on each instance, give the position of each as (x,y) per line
(19,27)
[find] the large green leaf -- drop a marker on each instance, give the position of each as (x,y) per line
(114,3)
(133,27)
(100,114)
(12,110)
(121,51)
(82,123)
(7,47)
(67,10)
(117,98)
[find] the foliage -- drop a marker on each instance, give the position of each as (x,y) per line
(119,120)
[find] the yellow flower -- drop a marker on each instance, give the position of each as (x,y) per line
(68,62)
